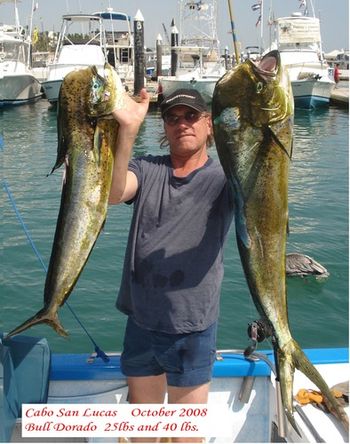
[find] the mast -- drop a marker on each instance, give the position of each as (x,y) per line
(259,7)
(17,24)
(261,26)
(235,46)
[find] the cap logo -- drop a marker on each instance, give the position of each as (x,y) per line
(179,96)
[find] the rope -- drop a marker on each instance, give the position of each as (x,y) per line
(99,352)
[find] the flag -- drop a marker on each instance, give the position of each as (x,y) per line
(36,6)
(35,36)
(302,3)
(256,7)
(258,21)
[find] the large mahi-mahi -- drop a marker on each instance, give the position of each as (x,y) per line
(252,111)
(86,138)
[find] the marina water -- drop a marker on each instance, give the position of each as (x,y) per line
(318,224)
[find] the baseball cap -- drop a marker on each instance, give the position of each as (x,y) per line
(187,97)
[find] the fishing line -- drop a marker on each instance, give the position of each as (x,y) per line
(100,353)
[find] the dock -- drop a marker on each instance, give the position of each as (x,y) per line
(152,88)
(340,97)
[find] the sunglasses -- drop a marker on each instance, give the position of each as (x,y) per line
(189,117)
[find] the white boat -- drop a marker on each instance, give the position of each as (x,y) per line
(243,391)
(18,84)
(199,61)
(298,38)
(73,54)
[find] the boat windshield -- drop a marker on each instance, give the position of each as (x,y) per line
(13,51)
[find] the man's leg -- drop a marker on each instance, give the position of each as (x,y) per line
(188,395)
(146,390)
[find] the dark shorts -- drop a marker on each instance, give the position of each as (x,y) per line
(187,358)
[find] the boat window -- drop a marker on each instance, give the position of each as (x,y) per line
(13,51)
(125,55)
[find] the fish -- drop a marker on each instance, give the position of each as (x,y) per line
(252,115)
(87,134)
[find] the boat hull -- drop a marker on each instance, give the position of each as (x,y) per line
(311,94)
(55,77)
(18,89)
(51,89)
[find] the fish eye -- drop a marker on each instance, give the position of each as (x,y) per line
(259,87)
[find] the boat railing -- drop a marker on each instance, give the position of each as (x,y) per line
(92,38)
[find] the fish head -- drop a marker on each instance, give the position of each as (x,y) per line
(106,91)
(257,94)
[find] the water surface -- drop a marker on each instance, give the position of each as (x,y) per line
(318,309)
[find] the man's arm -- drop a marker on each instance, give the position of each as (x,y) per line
(130,117)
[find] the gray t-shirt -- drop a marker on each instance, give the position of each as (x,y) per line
(173,265)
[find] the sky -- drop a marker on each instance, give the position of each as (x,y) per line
(334,16)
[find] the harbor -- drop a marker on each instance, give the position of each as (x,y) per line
(185,55)
(318,227)
(340,96)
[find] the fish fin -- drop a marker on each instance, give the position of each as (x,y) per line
(59,162)
(241,230)
(62,147)
(240,219)
(98,137)
(285,368)
(303,364)
(42,316)
(279,143)
(291,357)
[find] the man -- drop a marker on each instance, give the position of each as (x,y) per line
(336,73)
(174,260)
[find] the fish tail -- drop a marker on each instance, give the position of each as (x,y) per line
(285,372)
(42,316)
(296,358)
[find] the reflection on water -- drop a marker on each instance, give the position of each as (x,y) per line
(318,209)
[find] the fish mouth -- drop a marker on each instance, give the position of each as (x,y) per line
(268,67)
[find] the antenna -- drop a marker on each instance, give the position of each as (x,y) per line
(166,34)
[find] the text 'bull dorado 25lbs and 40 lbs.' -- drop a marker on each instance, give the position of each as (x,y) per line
(252,111)
(86,140)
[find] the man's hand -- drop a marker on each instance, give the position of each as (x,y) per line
(130,117)
(133,113)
